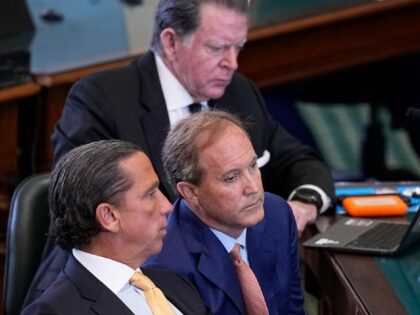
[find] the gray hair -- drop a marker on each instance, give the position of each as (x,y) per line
(180,152)
(184,16)
(82,179)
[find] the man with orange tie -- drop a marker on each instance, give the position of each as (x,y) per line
(235,243)
(106,207)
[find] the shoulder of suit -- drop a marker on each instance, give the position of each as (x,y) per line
(109,81)
(273,202)
(273,198)
(124,72)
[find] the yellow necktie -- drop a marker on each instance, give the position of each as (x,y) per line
(154,296)
(251,290)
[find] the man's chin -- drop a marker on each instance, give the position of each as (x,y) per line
(157,248)
(254,216)
(216,93)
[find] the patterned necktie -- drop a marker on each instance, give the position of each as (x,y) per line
(251,290)
(194,107)
(154,296)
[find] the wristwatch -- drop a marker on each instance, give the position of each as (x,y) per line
(310,196)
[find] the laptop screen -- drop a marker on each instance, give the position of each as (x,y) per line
(414,235)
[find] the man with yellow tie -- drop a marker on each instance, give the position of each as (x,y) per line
(235,243)
(106,207)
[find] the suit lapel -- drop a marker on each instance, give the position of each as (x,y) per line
(155,138)
(110,304)
(175,293)
(255,245)
(103,301)
(155,120)
(217,268)
(262,258)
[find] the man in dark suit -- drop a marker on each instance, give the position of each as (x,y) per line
(106,207)
(193,60)
(210,161)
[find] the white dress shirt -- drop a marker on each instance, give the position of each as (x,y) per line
(176,96)
(115,276)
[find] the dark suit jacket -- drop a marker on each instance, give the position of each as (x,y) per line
(192,250)
(77,291)
(127,103)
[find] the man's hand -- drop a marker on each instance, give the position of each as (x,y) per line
(304,213)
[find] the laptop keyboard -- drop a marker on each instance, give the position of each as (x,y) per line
(382,236)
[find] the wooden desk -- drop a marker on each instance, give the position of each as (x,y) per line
(16,93)
(331,41)
(278,51)
(349,283)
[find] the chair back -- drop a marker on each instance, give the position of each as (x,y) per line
(26,236)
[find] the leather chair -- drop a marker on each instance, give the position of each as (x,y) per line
(26,235)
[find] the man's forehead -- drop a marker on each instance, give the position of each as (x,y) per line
(215,131)
(139,166)
(218,165)
(225,143)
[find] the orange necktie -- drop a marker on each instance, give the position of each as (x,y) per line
(251,290)
(154,296)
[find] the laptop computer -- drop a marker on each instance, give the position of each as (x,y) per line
(369,236)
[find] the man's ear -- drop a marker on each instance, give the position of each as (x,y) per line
(188,192)
(170,42)
(108,217)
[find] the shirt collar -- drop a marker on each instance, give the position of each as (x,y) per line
(176,96)
(228,241)
(113,274)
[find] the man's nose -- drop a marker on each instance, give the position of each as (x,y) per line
(165,205)
(251,184)
(230,58)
